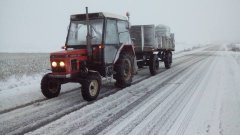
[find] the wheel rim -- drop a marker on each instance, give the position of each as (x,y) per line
(126,71)
(53,86)
(93,88)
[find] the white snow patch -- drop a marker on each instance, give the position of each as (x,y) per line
(15,92)
(219,107)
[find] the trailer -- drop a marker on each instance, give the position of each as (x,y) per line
(153,44)
(99,45)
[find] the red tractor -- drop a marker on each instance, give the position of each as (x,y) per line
(97,45)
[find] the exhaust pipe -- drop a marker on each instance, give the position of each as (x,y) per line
(89,36)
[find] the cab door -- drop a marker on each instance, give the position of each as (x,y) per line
(111,41)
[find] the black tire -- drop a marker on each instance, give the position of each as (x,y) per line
(91,86)
(50,87)
(140,64)
(168,60)
(153,64)
(124,70)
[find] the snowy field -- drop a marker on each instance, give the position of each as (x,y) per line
(199,95)
(17,65)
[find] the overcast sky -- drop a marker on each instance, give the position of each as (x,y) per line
(41,25)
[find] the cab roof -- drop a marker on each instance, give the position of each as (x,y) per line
(97,15)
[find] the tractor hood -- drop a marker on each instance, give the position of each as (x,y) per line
(69,53)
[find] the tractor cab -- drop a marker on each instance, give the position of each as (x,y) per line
(106,31)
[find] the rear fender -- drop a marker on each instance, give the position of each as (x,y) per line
(129,48)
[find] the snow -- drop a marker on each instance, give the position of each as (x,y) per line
(199,95)
(218,110)
(15,92)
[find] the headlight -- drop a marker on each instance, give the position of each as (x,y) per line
(54,64)
(62,64)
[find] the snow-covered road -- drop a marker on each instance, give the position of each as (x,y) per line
(200,94)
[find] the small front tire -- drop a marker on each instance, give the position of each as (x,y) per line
(91,86)
(50,87)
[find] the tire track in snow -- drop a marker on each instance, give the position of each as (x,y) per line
(15,120)
(183,101)
(33,102)
(144,110)
(103,125)
(129,100)
(118,115)
(192,109)
(85,119)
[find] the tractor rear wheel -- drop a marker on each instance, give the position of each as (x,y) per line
(50,87)
(168,60)
(91,86)
(124,71)
(153,64)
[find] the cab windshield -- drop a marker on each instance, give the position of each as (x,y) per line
(78,32)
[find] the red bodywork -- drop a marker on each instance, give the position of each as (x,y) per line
(71,58)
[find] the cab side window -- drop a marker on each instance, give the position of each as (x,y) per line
(124,36)
(111,32)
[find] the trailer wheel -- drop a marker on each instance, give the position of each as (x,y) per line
(153,64)
(168,60)
(140,64)
(124,71)
(91,86)
(50,87)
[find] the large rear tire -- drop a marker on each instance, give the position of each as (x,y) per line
(91,86)
(50,87)
(153,64)
(168,60)
(124,71)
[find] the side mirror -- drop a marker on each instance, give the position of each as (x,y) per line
(128,16)
(128,26)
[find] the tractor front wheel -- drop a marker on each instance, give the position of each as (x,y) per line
(50,86)
(91,86)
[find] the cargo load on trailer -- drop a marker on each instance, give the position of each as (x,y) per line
(153,44)
(148,37)
(165,39)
